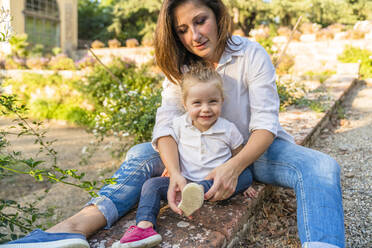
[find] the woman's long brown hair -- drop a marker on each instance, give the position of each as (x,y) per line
(170,53)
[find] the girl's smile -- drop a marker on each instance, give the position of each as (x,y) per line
(203,104)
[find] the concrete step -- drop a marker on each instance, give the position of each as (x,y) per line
(222,224)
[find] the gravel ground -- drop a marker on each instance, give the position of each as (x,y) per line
(349,141)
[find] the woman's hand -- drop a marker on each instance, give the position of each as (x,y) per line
(226,175)
(176,184)
(224,179)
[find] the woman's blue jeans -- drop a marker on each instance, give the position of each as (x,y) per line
(314,176)
(155,189)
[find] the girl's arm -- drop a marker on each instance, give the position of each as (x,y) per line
(226,175)
(168,151)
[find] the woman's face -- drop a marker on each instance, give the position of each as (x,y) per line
(196,27)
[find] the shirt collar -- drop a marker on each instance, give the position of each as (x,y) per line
(216,128)
(235,49)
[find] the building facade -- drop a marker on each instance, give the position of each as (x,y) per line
(52,23)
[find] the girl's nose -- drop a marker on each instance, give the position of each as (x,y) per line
(205,108)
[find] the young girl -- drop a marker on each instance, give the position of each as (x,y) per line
(205,141)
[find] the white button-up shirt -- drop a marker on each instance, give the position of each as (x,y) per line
(201,152)
(251,97)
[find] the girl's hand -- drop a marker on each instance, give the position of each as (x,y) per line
(176,184)
(224,179)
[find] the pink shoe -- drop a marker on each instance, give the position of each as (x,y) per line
(138,237)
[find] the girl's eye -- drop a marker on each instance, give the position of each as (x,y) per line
(196,103)
(213,101)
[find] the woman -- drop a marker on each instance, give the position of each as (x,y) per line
(189,31)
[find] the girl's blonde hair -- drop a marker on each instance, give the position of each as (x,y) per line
(170,54)
(200,73)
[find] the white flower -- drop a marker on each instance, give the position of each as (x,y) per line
(8,89)
(84,149)
(123,110)
(5,27)
(132,93)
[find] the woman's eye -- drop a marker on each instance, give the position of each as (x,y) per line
(200,21)
(181,31)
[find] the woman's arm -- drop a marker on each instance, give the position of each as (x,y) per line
(226,175)
(236,150)
(168,151)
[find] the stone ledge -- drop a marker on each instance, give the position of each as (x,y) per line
(222,224)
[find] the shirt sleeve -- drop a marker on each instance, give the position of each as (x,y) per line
(171,107)
(263,94)
(235,137)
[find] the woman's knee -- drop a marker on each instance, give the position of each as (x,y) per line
(324,167)
(139,150)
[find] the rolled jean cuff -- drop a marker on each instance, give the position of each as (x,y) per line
(107,208)
(318,245)
(150,218)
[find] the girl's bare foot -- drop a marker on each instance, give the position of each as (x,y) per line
(250,192)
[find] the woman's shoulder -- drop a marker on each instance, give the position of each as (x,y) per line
(239,43)
(251,51)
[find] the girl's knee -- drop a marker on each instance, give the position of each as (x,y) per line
(154,184)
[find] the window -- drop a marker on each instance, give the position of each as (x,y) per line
(42,22)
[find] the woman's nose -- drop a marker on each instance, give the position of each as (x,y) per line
(196,34)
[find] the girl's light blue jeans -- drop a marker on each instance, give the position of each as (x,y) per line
(314,176)
(155,189)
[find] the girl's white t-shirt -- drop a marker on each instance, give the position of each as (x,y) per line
(201,152)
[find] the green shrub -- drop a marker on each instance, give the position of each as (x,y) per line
(357,55)
(15,63)
(37,63)
(123,107)
(322,76)
(61,62)
(19,45)
(50,97)
(37,51)
(285,64)
(127,107)
(290,93)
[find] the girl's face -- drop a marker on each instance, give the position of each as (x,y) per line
(203,103)
(196,27)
